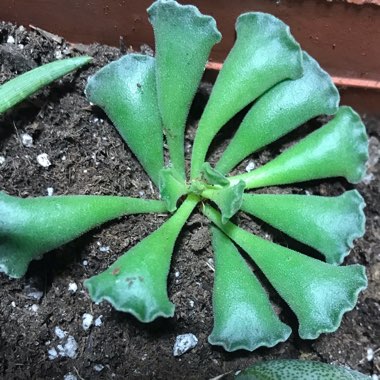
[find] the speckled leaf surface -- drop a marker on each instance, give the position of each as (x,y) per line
(264,54)
(317,292)
(243,316)
(126,90)
(298,370)
(280,110)
(338,149)
(33,226)
(183,39)
(136,282)
(328,224)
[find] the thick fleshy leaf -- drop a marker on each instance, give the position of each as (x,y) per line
(280,110)
(338,149)
(184,38)
(212,176)
(228,199)
(243,316)
(136,282)
(328,224)
(33,226)
(264,54)
(172,187)
(126,90)
(19,88)
(317,292)
(298,370)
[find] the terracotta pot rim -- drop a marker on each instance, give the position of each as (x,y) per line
(339,81)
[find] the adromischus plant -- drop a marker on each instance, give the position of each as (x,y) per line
(148,99)
(298,369)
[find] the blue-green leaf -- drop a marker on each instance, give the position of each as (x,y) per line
(33,226)
(243,316)
(184,38)
(338,149)
(328,224)
(136,282)
(126,90)
(280,110)
(264,54)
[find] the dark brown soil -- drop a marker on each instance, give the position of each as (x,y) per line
(89,157)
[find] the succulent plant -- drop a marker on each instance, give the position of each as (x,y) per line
(298,370)
(148,100)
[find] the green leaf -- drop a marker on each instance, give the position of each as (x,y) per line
(136,282)
(243,316)
(298,370)
(317,292)
(19,88)
(172,187)
(264,54)
(33,226)
(184,38)
(213,177)
(328,224)
(229,199)
(338,149)
(126,90)
(280,110)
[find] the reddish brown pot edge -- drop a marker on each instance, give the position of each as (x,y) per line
(343,37)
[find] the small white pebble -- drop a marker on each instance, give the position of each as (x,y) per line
(34,308)
(85,263)
(43,160)
(368,178)
(191,303)
(69,348)
(141,193)
(176,274)
(53,354)
(10,40)
(98,367)
(27,140)
(307,192)
(73,287)
(104,248)
(2,160)
(63,158)
(85,171)
(50,191)
(20,46)
(370,354)
(59,332)
(69,376)
(87,321)
(58,54)
(13,304)
(35,294)
(184,343)
(98,321)
(251,165)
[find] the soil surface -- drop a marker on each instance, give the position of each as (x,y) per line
(42,313)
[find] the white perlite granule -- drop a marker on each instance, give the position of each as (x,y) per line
(184,343)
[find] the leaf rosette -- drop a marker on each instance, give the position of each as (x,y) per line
(148,100)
